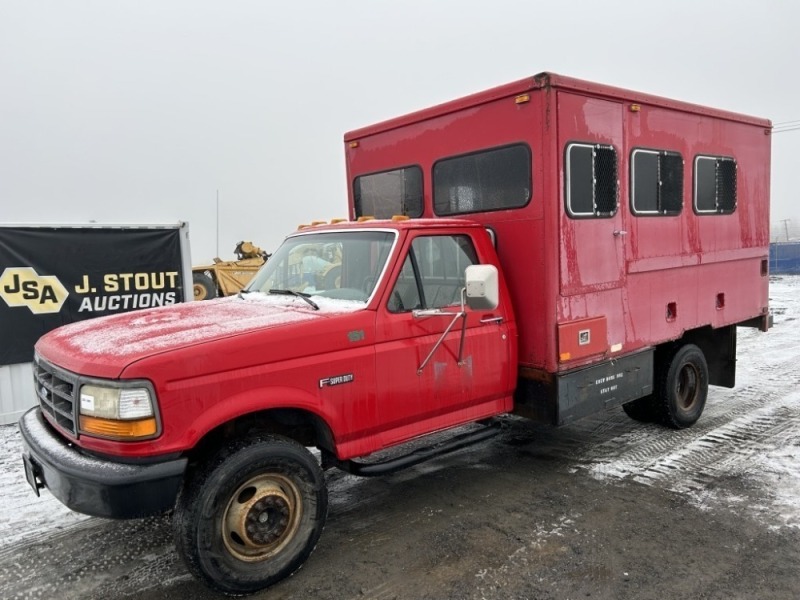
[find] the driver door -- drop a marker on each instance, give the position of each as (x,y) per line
(428,378)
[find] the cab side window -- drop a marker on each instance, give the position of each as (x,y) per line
(405,294)
(433,273)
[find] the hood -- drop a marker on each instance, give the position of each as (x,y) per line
(103,347)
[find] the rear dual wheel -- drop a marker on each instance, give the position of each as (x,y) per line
(681,389)
(252,516)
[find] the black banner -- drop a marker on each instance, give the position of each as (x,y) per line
(50,276)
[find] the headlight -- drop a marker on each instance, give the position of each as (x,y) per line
(117,412)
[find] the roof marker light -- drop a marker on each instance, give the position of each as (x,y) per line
(522,98)
(338,220)
(365,218)
(400,217)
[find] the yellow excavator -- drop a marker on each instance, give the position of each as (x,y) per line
(226,277)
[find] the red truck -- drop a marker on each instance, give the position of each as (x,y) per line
(550,248)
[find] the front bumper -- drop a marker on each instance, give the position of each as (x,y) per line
(95,486)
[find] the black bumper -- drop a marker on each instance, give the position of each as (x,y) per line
(92,485)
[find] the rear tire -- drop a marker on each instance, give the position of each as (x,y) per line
(203,287)
(682,387)
(252,516)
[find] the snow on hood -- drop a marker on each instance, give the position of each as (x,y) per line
(141,333)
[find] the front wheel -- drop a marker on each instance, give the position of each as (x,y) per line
(252,516)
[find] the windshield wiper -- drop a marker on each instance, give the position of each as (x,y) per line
(305,297)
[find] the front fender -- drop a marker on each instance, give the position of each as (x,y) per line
(252,401)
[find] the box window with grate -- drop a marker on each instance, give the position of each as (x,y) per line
(383,195)
(714,185)
(592,187)
(493,179)
(656,182)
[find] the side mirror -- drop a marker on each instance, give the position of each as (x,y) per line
(483,288)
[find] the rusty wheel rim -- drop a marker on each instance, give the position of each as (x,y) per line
(262,517)
(688,386)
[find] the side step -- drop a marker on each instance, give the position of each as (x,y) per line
(490,429)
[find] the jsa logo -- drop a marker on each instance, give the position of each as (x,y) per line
(22,286)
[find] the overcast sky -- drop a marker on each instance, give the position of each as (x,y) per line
(139,111)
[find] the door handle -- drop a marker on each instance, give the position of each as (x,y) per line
(492,319)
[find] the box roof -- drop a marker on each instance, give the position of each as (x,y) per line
(544,81)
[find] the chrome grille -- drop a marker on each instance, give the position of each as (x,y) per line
(56,391)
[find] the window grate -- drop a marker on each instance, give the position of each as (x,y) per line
(670,176)
(726,185)
(605,173)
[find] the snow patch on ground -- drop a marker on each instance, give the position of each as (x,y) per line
(760,445)
(778,473)
(24,516)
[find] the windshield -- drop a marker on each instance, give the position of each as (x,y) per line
(339,264)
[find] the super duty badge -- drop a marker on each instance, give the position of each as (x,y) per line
(336,380)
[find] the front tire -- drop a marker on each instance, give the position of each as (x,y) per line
(252,516)
(682,387)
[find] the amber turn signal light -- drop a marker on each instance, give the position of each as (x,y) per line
(113,428)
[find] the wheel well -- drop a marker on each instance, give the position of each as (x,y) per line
(304,427)
(719,349)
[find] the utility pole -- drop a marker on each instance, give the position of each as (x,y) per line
(217,254)
(786,227)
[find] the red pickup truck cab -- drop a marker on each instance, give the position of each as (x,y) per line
(208,407)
